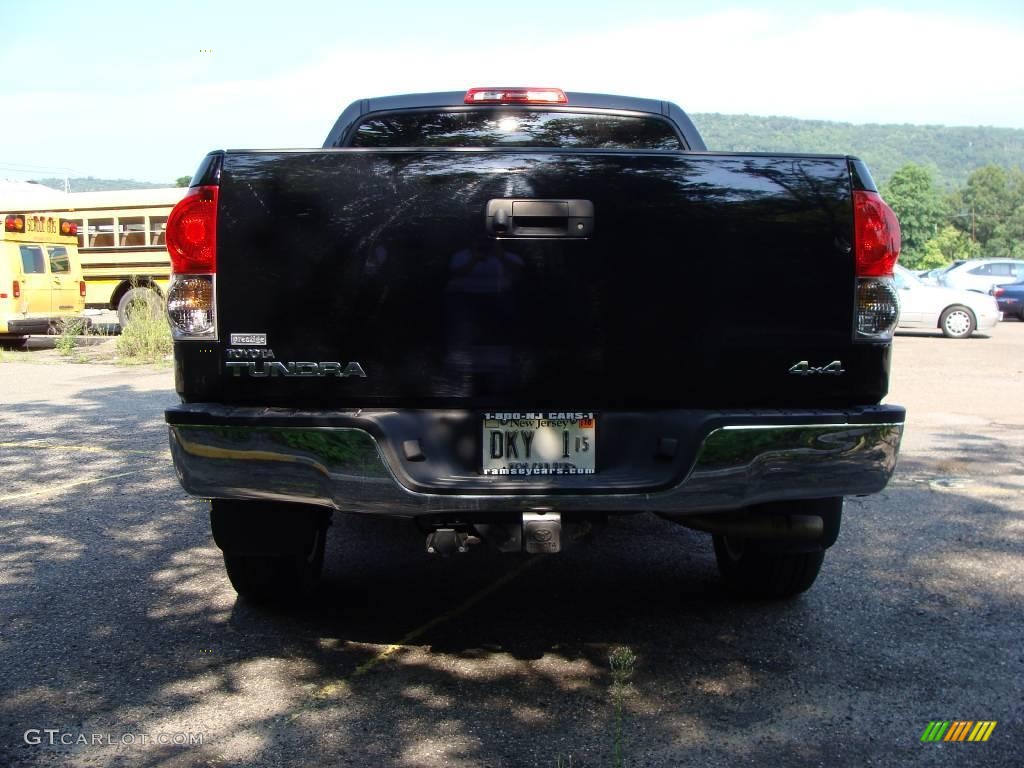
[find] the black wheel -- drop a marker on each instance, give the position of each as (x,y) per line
(767,569)
(752,573)
(13,342)
(273,552)
(138,300)
(957,322)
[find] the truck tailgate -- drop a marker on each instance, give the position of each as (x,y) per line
(702,279)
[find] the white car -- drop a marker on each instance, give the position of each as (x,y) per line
(956,313)
(981,274)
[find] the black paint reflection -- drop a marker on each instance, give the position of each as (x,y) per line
(706,273)
(484,290)
(515,128)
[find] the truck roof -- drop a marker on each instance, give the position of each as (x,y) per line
(578,100)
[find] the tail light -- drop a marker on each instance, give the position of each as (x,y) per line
(876,246)
(998,291)
(14,223)
(16,289)
(191,237)
(68,228)
(81,288)
(192,232)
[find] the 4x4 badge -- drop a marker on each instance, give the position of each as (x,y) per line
(804,368)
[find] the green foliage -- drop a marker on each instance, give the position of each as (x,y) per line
(146,337)
(949,153)
(183,181)
(993,210)
(948,245)
(622,661)
(921,211)
(1008,238)
(70,329)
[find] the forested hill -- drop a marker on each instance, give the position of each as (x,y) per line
(92,184)
(950,153)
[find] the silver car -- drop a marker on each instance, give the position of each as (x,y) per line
(956,313)
(981,274)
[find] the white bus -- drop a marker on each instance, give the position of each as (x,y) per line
(121,244)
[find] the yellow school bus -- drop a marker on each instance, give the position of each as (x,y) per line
(41,279)
(121,242)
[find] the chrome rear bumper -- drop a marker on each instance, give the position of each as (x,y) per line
(349,470)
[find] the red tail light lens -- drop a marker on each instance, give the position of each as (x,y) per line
(876,235)
(81,288)
(192,232)
(516,96)
(14,224)
(68,228)
(998,291)
(16,290)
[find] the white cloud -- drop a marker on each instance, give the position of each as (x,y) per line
(861,66)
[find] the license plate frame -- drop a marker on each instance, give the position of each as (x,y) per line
(531,444)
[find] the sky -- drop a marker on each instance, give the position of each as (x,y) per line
(143,89)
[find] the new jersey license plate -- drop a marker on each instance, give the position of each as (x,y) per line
(531,444)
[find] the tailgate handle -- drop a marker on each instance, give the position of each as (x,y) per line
(540,218)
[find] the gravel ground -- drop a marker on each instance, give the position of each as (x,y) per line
(117,623)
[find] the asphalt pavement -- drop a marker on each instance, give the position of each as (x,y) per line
(123,644)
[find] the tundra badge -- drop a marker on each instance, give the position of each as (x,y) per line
(259,363)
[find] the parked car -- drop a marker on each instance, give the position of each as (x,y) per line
(1010,298)
(931,276)
(957,313)
(981,274)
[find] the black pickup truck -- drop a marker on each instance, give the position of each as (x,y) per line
(508,312)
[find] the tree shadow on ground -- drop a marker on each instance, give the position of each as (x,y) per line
(117,618)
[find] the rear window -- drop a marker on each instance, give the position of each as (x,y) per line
(59,261)
(515,128)
(32,260)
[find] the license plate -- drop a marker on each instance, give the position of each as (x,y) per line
(532,444)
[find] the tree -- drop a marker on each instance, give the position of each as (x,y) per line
(990,199)
(1008,238)
(919,207)
(948,245)
(183,181)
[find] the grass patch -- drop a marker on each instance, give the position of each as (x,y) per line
(146,336)
(67,339)
(622,661)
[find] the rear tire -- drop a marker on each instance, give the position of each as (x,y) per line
(767,575)
(765,569)
(957,322)
(273,552)
(13,342)
(138,300)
